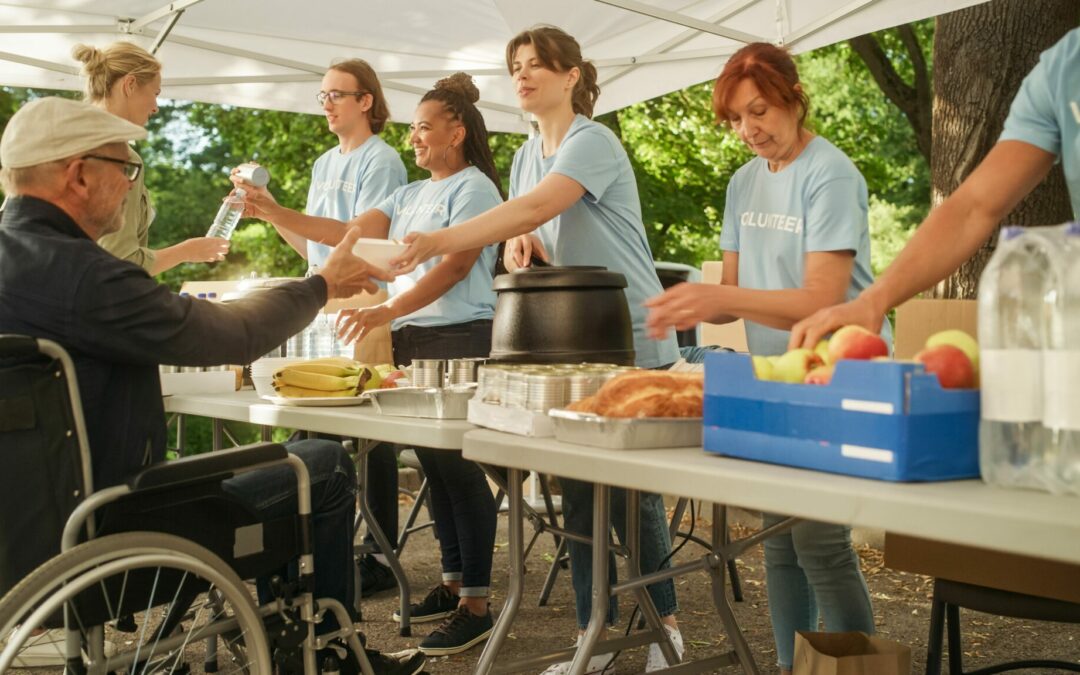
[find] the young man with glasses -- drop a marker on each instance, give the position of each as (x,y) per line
(346,181)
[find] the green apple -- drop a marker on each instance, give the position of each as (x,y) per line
(822,350)
(793,366)
(763,367)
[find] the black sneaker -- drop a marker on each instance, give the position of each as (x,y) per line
(374,576)
(408,662)
(463,630)
(403,663)
(440,603)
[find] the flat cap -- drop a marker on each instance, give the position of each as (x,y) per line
(53,128)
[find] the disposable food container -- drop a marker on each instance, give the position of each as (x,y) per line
(626,433)
(875,419)
(451,403)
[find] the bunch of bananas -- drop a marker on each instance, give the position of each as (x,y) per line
(332,376)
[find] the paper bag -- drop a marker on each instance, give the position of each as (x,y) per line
(849,654)
(375,347)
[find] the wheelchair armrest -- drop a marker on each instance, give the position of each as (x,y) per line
(206,465)
(21,346)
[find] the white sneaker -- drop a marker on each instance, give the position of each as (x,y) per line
(656,657)
(598,664)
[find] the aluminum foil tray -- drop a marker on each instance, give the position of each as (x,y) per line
(450,403)
(626,433)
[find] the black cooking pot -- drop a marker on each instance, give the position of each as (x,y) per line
(562,315)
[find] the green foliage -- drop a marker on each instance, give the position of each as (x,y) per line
(682,159)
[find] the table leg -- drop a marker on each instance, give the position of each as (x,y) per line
(601,590)
(517,573)
(648,609)
(718,572)
(217,434)
(387,548)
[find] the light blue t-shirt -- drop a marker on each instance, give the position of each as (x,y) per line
(345,185)
(1046,110)
(772,220)
(427,206)
(604,226)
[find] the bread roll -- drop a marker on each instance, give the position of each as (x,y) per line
(648,393)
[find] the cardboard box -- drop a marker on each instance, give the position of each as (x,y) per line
(915,321)
(849,654)
(883,420)
(993,569)
(918,319)
(731,335)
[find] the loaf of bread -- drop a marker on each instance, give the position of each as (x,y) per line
(647,393)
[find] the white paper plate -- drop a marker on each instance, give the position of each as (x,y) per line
(378,252)
(319,401)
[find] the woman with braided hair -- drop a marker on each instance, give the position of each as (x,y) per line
(441,309)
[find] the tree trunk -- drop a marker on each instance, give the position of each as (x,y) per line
(981,55)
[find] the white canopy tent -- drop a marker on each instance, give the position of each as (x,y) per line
(272,53)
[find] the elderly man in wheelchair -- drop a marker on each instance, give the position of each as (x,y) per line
(111,559)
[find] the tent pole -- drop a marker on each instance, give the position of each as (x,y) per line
(164,32)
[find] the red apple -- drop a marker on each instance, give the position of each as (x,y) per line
(855,342)
(819,375)
(951,365)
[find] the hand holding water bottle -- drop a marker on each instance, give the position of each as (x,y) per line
(253,179)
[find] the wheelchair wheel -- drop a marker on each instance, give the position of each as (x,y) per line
(178,593)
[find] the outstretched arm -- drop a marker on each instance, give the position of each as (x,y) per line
(950,235)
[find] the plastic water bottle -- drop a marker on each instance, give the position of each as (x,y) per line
(232,209)
(1061,363)
(1012,335)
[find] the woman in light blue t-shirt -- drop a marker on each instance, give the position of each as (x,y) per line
(1043,128)
(574,199)
(442,309)
(795,238)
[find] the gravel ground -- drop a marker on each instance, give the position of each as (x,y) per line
(901,608)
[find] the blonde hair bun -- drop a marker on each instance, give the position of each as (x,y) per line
(460,83)
(91,57)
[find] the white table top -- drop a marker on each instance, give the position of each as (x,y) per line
(964,512)
(359,421)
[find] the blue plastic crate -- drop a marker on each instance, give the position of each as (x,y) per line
(875,419)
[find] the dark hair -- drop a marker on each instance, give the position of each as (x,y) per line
(368,81)
(458,95)
(771,69)
(559,51)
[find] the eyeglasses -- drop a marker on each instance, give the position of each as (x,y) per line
(131,169)
(336,96)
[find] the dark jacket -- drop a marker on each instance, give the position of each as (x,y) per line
(119,324)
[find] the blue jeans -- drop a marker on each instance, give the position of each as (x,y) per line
(577,503)
(461,501)
(272,493)
(813,567)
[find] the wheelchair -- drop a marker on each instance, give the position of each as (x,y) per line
(146,576)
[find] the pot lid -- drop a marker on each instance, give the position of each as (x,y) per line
(559,277)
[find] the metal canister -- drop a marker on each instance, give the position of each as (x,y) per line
(428,372)
(584,383)
(516,392)
(546,390)
(463,371)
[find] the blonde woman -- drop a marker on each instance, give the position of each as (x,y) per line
(125,80)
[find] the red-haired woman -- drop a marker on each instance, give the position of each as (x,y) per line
(795,239)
